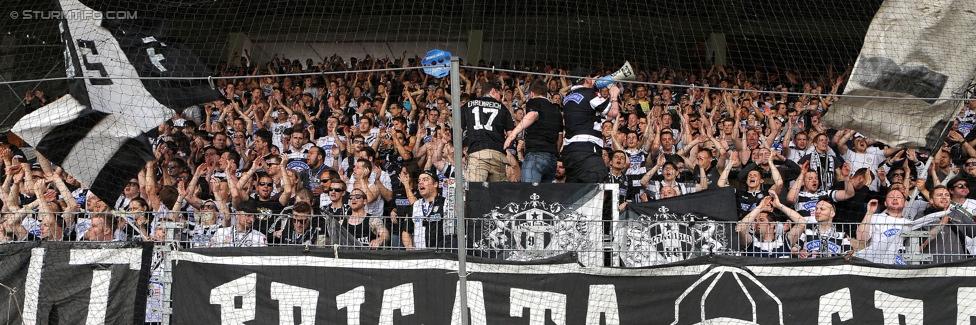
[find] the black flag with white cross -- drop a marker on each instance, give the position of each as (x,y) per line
(96,132)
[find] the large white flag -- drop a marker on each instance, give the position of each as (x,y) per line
(914,52)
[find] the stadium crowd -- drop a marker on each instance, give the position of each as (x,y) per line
(268,162)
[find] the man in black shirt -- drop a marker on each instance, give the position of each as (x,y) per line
(267,205)
(486,123)
(299,228)
(542,124)
(583,113)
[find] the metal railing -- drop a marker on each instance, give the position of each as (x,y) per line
(598,243)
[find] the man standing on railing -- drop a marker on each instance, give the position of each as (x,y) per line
(542,125)
(241,234)
(583,113)
(487,123)
(428,216)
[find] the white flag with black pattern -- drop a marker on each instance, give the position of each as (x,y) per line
(96,132)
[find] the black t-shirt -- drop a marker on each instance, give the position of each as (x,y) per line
(267,213)
(542,135)
(712,174)
(292,236)
(392,158)
(485,121)
(582,111)
(342,211)
(747,201)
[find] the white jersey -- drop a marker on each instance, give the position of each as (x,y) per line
(327,143)
(797,153)
(886,244)
(277,129)
(230,237)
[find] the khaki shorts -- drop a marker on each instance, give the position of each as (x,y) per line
(485,166)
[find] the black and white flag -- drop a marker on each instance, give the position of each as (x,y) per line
(913,53)
(523,222)
(677,228)
(96,132)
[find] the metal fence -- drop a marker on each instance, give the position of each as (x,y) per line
(602,243)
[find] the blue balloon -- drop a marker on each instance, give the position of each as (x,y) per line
(437,63)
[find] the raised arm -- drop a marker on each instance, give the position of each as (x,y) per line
(864,229)
(289,187)
(797,229)
(848,191)
(777,178)
(794,193)
(723,179)
(745,238)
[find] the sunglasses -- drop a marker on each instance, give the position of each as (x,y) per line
(693,121)
(357,196)
(336,190)
(971,164)
(325,180)
(133,184)
(209,206)
(358,142)
(961,186)
(898,175)
(265,184)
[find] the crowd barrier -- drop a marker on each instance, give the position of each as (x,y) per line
(594,243)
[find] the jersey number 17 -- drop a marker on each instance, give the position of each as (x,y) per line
(491,112)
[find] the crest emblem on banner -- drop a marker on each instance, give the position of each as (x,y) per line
(667,237)
(533,230)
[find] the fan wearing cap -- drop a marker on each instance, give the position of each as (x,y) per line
(959,189)
(487,122)
(204,224)
(428,215)
(241,233)
(583,113)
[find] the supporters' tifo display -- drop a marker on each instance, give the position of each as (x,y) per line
(633,134)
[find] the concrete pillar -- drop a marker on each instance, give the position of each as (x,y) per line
(475,39)
(717,48)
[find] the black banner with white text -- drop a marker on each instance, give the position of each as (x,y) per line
(73,283)
(290,285)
